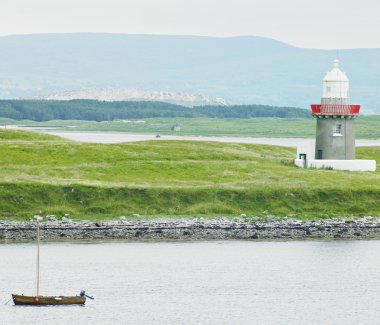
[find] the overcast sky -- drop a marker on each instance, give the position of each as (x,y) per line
(305,23)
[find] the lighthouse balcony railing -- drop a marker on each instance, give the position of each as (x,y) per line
(335,109)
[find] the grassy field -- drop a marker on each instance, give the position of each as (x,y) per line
(366,126)
(173,178)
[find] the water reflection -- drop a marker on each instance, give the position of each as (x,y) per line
(229,282)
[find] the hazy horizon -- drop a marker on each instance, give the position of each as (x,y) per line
(324,24)
(193,35)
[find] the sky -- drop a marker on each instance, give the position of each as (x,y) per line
(325,24)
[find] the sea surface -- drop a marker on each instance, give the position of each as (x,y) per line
(216,282)
(119,137)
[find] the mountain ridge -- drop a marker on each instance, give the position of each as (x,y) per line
(242,70)
(111,94)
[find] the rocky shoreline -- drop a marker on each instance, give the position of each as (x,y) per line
(193,229)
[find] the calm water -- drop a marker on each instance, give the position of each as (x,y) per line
(117,137)
(228,282)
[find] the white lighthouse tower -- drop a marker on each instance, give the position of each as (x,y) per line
(335,133)
(335,136)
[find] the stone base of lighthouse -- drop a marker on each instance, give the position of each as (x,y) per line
(335,138)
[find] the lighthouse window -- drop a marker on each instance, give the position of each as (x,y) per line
(337,129)
(328,89)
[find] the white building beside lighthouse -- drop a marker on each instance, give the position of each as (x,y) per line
(335,133)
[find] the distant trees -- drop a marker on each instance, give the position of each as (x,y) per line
(93,110)
(249,111)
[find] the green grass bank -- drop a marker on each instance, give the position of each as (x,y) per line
(173,178)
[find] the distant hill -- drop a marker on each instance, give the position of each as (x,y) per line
(112,95)
(92,110)
(245,70)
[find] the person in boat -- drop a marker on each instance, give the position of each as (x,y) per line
(83,294)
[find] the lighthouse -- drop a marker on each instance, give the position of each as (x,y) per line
(334,146)
(335,135)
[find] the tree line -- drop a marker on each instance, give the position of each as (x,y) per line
(93,110)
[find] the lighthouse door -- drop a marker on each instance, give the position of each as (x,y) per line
(319,154)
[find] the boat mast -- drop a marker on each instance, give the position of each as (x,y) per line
(38,257)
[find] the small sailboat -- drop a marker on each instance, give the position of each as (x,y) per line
(48,300)
(39,300)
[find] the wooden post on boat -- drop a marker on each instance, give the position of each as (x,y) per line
(38,257)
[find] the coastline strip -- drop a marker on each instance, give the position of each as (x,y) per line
(195,229)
